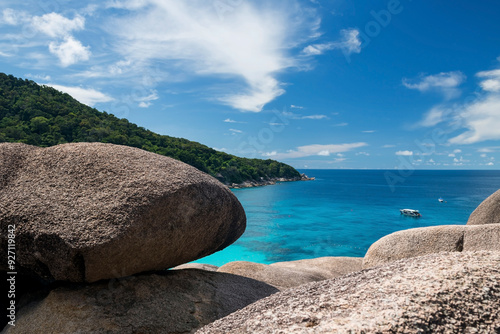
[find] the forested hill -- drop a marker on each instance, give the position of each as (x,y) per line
(42,116)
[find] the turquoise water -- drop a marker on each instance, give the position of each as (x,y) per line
(343,212)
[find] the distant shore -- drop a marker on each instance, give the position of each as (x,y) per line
(268,182)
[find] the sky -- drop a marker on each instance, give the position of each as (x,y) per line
(389,84)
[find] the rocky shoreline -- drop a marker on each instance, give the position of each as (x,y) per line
(268,182)
(97,225)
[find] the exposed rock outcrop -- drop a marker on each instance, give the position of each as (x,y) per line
(427,240)
(488,212)
(90,211)
(174,301)
(415,242)
(437,293)
(283,275)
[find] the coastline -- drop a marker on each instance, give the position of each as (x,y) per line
(268,182)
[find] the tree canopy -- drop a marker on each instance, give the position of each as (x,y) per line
(42,116)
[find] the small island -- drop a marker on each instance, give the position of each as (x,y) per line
(43,116)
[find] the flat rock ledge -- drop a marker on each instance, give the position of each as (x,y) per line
(89,211)
(437,293)
(284,275)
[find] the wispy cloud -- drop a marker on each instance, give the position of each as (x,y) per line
(480,118)
(146,101)
(446,83)
(251,43)
(235,131)
(86,96)
(404,153)
(316,150)
(348,43)
(291,115)
(228,120)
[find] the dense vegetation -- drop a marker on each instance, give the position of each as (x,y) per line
(42,116)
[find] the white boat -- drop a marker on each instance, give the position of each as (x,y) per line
(410,212)
(441,200)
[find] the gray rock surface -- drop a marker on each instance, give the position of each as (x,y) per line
(415,242)
(174,301)
(439,293)
(283,275)
(488,212)
(435,239)
(482,237)
(200,266)
(91,211)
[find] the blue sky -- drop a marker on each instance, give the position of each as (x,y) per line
(313,83)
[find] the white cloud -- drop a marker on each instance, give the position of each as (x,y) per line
(229,120)
(445,83)
(57,28)
(349,43)
(296,107)
(13,17)
(234,131)
(369,131)
(492,84)
(270,154)
(55,25)
(405,153)
(324,153)
(292,115)
(250,43)
(482,121)
(489,149)
(70,51)
(436,115)
(86,96)
(319,150)
(314,117)
(145,101)
(480,118)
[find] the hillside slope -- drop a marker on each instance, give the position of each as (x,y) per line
(42,116)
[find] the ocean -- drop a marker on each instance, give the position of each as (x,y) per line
(343,212)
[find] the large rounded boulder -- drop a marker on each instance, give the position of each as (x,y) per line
(435,239)
(436,293)
(488,212)
(174,301)
(89,211)
(415,242)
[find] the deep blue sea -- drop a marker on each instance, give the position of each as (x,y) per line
(343,212)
